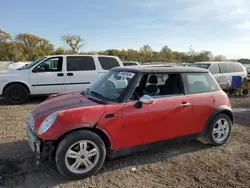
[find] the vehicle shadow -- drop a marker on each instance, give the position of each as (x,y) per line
(33,100)
(17,163)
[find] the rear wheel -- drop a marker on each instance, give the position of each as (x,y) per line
(16,94)
(245,92)
(220,130)
(80,154)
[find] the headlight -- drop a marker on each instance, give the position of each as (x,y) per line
(47,123)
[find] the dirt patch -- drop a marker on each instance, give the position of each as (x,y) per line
(240,102)
(189,164)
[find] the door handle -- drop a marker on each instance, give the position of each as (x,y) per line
(185,104)
(60,74)
(70,74)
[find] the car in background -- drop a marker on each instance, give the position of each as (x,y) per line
(130,63)
(80,129)
(248,70)
(223,71)
(54,74)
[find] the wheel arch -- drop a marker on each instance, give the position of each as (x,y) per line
(220,110)
(102,134)
(16,82)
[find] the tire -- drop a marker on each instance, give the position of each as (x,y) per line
(16,94)
(72,141)
(245,92)
(214,128)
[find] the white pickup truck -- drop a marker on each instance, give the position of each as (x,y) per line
(54,74)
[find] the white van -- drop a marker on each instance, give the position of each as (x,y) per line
(223,71)
(54,74)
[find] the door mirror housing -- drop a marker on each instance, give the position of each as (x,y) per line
(38,69)
(145,99)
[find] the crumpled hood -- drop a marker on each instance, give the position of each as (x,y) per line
(63,102)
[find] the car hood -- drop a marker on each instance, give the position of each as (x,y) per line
(9,71)
(7,75)
(63,102)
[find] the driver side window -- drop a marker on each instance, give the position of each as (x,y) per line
(50,65)
(159,86)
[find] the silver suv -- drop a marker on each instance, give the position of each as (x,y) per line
(223,71)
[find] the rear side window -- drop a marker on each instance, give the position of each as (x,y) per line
(108,63)
(227,67)
(80,63)
(238,67)
(200,83)
(214,68)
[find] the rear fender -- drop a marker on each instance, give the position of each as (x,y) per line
(222,109)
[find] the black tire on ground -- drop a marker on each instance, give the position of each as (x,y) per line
(245,92)
(211,138)
(72,139)
(16,94)
(230,91)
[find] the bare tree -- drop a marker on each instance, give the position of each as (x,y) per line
(75,42)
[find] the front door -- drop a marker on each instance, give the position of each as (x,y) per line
(169,116)
(81,72)
(48,76)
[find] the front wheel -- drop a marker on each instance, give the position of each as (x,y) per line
(80,154)
(220,130)
(16,94)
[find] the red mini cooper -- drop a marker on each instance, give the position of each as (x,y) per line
(128,109)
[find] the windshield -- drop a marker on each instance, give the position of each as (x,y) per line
(112,86)
(27,66)
(200,65)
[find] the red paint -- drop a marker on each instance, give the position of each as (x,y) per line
(164,119)
(62,93)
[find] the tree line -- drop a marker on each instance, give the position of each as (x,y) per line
(29,47)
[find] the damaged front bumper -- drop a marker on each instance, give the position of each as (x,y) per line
(34,143)
(42,149)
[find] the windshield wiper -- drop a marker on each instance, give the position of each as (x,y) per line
(85,92)
(99,96)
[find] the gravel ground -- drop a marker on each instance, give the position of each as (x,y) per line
(190,164)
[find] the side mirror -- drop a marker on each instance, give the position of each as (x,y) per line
(145,99)
(38,69)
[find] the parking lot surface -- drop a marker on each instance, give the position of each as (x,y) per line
(189,164)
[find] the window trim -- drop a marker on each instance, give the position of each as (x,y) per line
(60,58)
(80,70)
